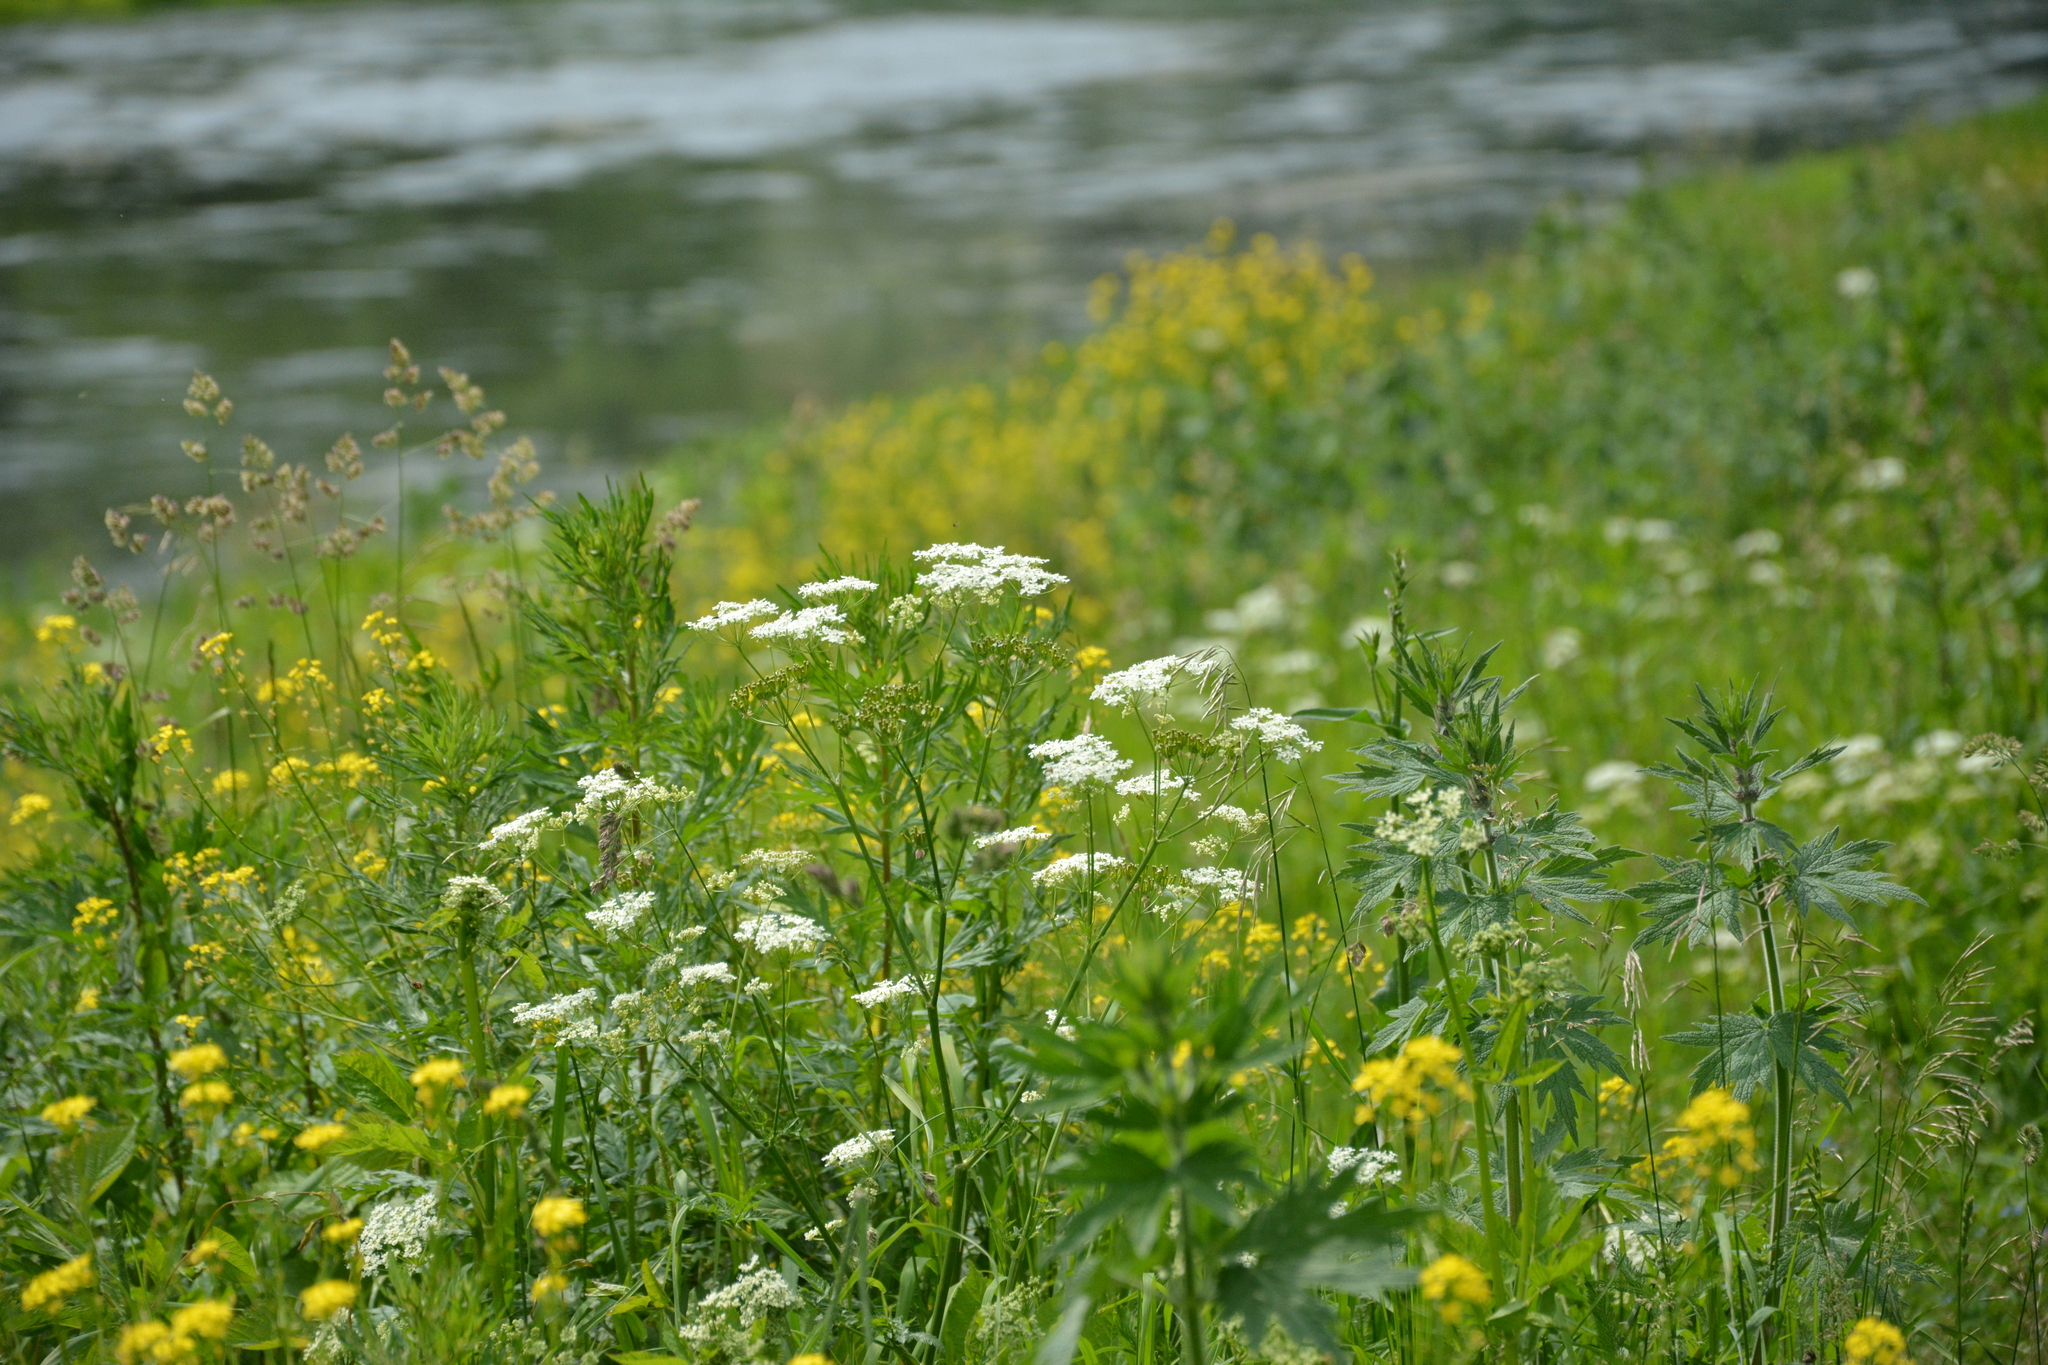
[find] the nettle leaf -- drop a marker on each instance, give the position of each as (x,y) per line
(1564,1032)
(1557,882)
(1417,1014)
(1830,876)
(1583,1173)
(1739,1054)
(1462,913)
(1691,901)
(374,1083)
(1396,767)
(1798,1038)
(1275,1264)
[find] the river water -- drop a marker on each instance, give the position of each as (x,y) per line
(639,221)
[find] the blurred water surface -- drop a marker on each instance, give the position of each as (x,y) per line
(639,220)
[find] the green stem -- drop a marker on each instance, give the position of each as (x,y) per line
(1193,1346)
(1781,1116)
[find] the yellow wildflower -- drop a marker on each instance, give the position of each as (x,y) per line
(208,1319)
(810,1358)
(52,1287)
(550,1285)
(1873,1341)
(1412,1086)
(318,1135)
(88,1000)
(1715,1120)
(201,1060)
(228,781)
(68,1114)
(141,1341)
(431,1078)
(343,1233)
(1616,1095)
(216,646)
(324,1299)
(28,806)
(1089,658)
(375,700)
(204,1251)
(56,630)
(93,911)
(205,1095)
(557,1214)
(369,863)
(508,1101)
(167,738)
(1453,1283)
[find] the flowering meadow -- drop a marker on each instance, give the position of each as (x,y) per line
(540,934)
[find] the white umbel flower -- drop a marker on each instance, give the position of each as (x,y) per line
(1369,1166)
(807,625)
(1080,762)
(963,571)
(1023,834)
(779,931)
(834,587)
(735,614)
(705,974)
(521,833)
(1159,784)
(855,1150)
(1074,866)
(398,1230)
(1227,882)
(1284,739)
(618,915)
(1145,684)
(884,992)
(778,860)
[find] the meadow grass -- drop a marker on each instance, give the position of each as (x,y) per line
(1181,935)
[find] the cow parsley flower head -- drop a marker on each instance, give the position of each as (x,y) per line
(735,614)
(1156,784)
(855,1150)
(619,914)
(779,931)
(778,860)
(1227,882)
(959,572)
(808,625)
(834,587)
(884,992)
(1080,762)
(752,1295)
(555,1020)
(1145,684)
(1284,739)
(1076,866)
(398,1230)
(705,974)
(521,833)
(1235,816)
(610,792)
(1023,834)
(1431,814)
(1369,1166)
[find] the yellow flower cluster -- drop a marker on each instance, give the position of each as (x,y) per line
(1615,1096)
(56,630)
(93,912)
(202,1059)
(1413,1085)
(305,678)
(556,1215)
(52,1287)
(168,737)
(28,806)
(429,1079)
(507,1101)
(1717,1140)
(163,1344)
(68,1114)
(323,1299)
(317,1135)
(1873,1341)
(349,768)
(1454,1284)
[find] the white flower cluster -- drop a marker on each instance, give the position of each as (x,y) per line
(1146,683)
(609,792)
(522,833)
(1228,882)
(399,1229)
(1060,1026)
(1060,871)
(883,992)
(705,974)
(779,860)
(619,914)
(779,931)
(472,890)
(735,614)
(855,1150)
(1369,1166)
(1286,741)
(1422,829)
(1080,762)
(706,1037)
(833,587)
(752,1294)
(963,571)
(1157,784)
(904,612)
(808,625)
(557,1020)
(1236,817)
(1023,834)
